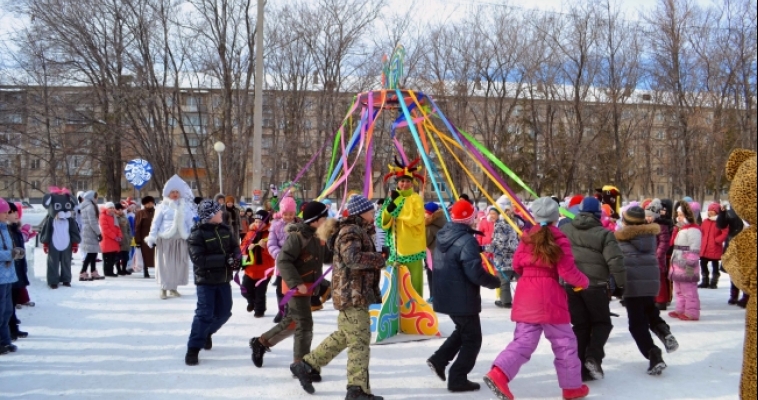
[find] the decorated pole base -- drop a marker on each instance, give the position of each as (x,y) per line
(402,310)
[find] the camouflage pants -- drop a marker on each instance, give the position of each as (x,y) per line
(354,333)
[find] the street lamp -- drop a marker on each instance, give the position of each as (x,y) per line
(219,147)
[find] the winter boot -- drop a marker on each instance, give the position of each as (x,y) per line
(498,383)
(580,393)
(163,295)
(656,362)
(734,293)
(250,307)
(705,284)
(714,283)
(661,306)
(303,371)
(191,357)
(22,334)
(439,371)
(357,393)
(467,386)
(84,277)
(259,349)
(120,270)
(743,301)
(96,276)
(663,331)
(208,343)
(175,293)
(594,368)
(327,294)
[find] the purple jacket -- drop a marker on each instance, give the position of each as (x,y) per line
(276,237)
(664,244)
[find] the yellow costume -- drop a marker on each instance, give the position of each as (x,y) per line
(741,259)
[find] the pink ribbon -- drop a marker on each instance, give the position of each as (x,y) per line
(57,190)
(291,293)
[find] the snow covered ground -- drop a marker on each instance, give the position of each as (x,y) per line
(116,339)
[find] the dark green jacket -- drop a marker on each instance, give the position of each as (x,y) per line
(303,256)
(596,251)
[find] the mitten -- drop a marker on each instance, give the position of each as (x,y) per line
(394,195)
(44,248)
(391,208)
(18,253)
(75,248)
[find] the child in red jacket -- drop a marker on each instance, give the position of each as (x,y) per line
(711,248)
(255,243)
(111,243)
(540,305)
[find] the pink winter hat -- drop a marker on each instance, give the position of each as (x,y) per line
(287,205)
(4,207)
(695,206)
(715,207)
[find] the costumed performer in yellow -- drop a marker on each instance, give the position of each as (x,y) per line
(402,218)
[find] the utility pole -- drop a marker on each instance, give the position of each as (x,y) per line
(258,103)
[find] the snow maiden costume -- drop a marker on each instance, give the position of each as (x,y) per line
(60,236)
(168,235)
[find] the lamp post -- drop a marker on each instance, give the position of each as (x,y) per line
(219,147)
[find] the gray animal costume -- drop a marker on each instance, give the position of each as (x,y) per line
(60,235)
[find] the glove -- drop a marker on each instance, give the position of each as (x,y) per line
(391,208)
(385,252)
(99,238)
(75,248)
(44,248)
(394,195)
(150,242)
(18,253)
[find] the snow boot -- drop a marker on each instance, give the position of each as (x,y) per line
(705,284)
(500,304)
(580,393)
(714,283)
(661,306)
(174,293)
(66,284)
(357,393)
(22,334)
(96,276)
(250,307)
(498,383)
(208,343)
(439,371)
(327,295)
(594,368)
(743,301)
(53,286)
(656,362)
(663,331)
(191,358)
(84,277)
(303,371)
(467,386)
(259,349)
(163,295)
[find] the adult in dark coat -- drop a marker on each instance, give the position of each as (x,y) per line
(459,274)
(142,222)
(597,255)
(728,219)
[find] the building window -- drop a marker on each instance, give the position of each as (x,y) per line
(660,135)
(35,163)
(659,171)
(35,185)
(193,184)
(660,190)
(285,165)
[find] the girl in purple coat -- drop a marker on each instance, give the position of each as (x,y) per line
(276,239)
(541,305)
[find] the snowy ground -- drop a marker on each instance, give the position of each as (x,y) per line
(116,339)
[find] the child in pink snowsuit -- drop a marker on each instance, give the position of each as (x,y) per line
(541,305)
(685,264)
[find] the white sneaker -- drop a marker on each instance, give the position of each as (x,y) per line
(163,295)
